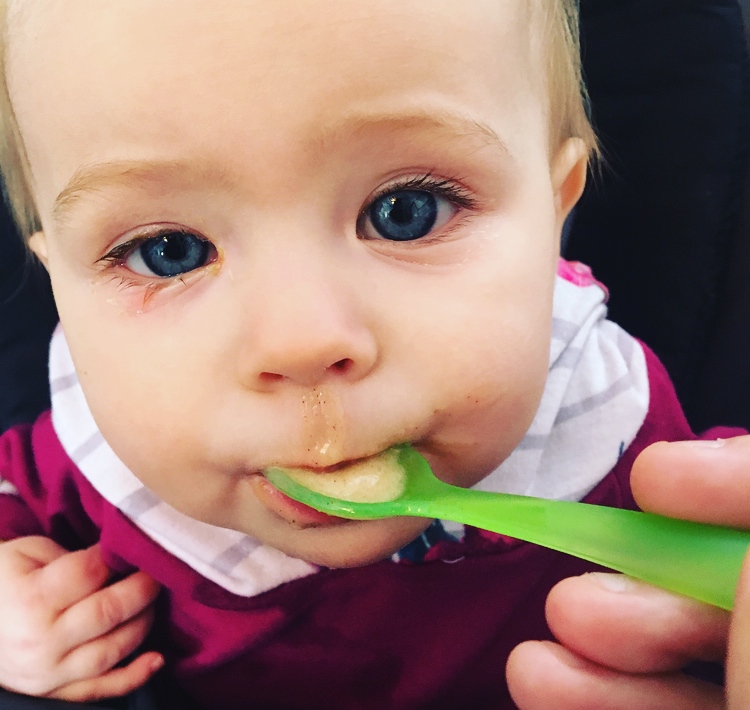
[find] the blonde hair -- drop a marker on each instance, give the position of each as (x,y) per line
(559,44)
(569,104)
(14,165)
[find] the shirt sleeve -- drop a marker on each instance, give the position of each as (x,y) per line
(17,463)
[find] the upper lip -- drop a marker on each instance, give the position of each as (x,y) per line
(343,463)
(331,468)
(336,466)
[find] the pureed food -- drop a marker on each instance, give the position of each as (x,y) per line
(377,479)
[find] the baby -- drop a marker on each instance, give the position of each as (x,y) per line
(297,233)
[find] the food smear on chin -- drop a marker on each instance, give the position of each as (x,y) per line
(377,479)
(323,425)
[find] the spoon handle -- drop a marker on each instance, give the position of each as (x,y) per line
(700,561)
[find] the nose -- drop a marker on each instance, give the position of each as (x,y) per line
(308,332)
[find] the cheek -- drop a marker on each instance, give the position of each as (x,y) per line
(141,385)
(504,377)
(487,375)
(493,332)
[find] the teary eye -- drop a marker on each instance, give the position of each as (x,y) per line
(169,254)
(404,215)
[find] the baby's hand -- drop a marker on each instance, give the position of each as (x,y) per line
(62,631)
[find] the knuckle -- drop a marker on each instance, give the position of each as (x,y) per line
(145,619)
(108,610)
(91,566)
(34,598)
(106,657)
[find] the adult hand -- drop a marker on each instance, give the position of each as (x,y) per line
(622,644)
(63,630)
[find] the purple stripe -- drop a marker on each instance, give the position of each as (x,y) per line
(232,556)
(137,503)
(62,383)
(91,444)
(595,400)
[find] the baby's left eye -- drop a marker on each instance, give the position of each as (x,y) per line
(405,215)
(169,254)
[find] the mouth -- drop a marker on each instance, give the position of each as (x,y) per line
(371,479)
(297,514)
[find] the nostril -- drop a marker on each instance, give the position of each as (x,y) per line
(342,366)
(270,377)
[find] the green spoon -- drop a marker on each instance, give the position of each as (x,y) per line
(699,561)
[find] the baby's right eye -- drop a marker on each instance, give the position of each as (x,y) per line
(413,208)
(406,215)
(167,254)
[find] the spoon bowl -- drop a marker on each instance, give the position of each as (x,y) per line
(697,560)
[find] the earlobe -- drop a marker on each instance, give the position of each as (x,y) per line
(569,169)
(38,245)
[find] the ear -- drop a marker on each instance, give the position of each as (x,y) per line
(38,245)
(569,167)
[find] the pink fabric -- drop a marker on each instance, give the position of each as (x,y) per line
(579,274)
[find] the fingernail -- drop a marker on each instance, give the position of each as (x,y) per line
(157,663)
(704,443)
(618,583)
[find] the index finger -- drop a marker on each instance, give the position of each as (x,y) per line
(704,481)
(70,578)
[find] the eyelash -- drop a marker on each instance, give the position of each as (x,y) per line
(119,254)
(451,190)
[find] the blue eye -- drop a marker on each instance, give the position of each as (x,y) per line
(170,254)
(405,215)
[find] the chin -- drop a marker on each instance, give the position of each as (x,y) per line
(353,543)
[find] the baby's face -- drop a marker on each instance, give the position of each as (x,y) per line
(295,233)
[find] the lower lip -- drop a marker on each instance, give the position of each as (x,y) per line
(290,510)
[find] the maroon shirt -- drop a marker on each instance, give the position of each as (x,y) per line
(389,635)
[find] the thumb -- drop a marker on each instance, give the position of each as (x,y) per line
(738,656)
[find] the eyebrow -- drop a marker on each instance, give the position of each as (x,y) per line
(444,125)
(92,178)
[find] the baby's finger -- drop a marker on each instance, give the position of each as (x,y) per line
(632,627)
(70,578)
(106,609)
(98,657)
(28,554)
(542,675)
(114,683)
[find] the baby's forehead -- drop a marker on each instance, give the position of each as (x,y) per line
(436,29)
(21,15)
(265,48)
(30,24)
